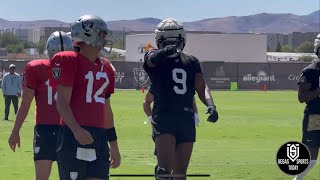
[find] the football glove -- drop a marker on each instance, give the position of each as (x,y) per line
(213,114)
(150,120)
(196,119)
(170,50)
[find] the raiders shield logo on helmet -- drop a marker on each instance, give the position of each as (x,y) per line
(56,72)
(87,25)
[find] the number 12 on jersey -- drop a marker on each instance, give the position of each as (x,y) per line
(89,76)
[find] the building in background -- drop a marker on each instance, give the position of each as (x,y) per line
(285,56)
(21,34)
(276,39)
(45,32)
(208,46)
(38,34)
(295,39)
(34,35)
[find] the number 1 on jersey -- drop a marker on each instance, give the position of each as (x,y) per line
(50,93)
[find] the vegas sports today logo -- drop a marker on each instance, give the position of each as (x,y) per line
(293,158)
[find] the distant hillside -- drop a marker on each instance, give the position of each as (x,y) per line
(258,23)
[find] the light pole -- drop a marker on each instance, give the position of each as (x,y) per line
(19,31)
(123,37)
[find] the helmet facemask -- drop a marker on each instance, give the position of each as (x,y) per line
(178,42)
(107,45)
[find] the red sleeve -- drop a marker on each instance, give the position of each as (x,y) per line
(111,77)
(29,77)
(63,70)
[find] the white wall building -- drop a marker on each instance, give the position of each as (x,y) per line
(209,46)
(285,56)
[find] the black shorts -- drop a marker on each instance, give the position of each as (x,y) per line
(45,142)
(180,125)
(73,165)
(311,130)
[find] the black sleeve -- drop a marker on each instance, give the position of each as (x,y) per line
(196,65)
(150,89)
(146,68)
(308,76)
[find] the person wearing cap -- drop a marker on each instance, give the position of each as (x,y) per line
(11,89)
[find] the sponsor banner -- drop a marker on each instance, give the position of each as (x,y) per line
(254,75)
(220,75)
(130,75)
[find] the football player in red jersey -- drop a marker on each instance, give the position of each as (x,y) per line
(84,84)
(47,124)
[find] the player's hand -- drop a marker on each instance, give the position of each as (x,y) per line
(14,140)
(150,120)
(213,114)
(115,157)
(19,95)
(170,50)
(83,136)
(196,119)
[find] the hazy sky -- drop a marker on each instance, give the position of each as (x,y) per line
(183,10)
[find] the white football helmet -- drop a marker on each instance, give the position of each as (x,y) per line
(170,32)
(87,28)
(58,41)
(317,45)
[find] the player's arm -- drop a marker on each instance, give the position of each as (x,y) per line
(203,90)
(196,115)
(206,98)
(22,113)
(64,109)
(195,108)
(147,104)
(155,57)
(115,156)
(63,100)
(305,94)
(305,83)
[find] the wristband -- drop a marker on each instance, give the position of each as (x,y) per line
(111,134)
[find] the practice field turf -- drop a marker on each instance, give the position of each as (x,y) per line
(241,145)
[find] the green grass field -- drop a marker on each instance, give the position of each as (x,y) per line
(241,145)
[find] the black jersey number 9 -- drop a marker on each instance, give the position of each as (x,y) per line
(181,80)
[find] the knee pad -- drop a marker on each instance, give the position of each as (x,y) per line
(162,173)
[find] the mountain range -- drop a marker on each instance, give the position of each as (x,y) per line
(257,23)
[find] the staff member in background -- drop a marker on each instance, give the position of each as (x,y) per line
(11,89)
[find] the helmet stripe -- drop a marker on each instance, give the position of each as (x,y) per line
(61,41)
